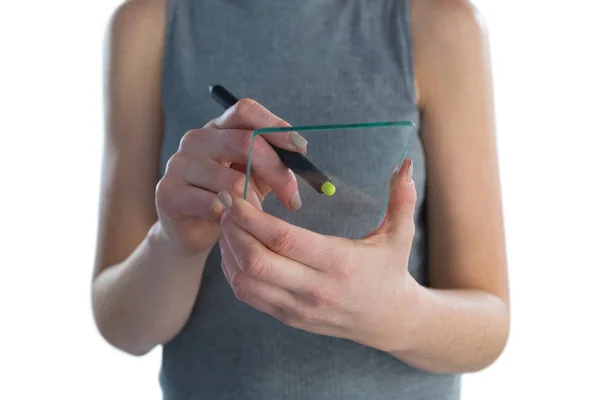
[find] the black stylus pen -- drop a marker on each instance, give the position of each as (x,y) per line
(295,161)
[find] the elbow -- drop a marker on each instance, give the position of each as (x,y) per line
(117,329)
(136,351)
(489,359)
(495,345)
(115,334)
(132,348)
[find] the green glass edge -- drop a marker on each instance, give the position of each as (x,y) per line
(334,127)
(330,127)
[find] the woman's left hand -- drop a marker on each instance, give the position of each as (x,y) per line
(354,289)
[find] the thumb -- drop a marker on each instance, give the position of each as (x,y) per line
(397,225)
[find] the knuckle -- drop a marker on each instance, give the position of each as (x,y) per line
(175,164)
(239,283)
(303,315)
(164,194)
(280,122)
(278,313)
(242,219)
(213,210)
(411,199)
(281,242)
(244,107)
(161,190)
(253,264)
(339,263)
(323,295)
(240,143)
(289,319)
(289,178)
(407,228)
(214,122)
(260,147)
(187,139)
(238,185)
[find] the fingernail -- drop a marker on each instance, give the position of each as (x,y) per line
(217,210)
(226,199)
(297,140)
(409,173)
(295,202)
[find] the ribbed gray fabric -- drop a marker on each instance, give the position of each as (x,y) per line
(310,62)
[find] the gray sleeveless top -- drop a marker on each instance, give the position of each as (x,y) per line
(310,62)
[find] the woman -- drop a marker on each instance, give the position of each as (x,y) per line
(247,306)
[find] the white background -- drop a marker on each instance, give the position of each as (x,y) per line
(546,75)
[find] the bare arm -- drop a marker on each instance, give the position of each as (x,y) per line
(143,289)
(462,322)
(155,235)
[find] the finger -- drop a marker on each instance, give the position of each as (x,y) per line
(317,251)
(397,225)
(250,115)
(292,311)
(260,187)
(260,263)
(212,176)
(235,146)
(225,269)
(264,307)
(181,201)
(253,291)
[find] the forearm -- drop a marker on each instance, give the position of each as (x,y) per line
(455,331)
(146,300)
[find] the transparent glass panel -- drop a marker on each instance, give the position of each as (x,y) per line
(357,160)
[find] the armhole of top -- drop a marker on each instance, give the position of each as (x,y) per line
(166,64)
(167,46)
(407,47)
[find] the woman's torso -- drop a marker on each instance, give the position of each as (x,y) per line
(310,62)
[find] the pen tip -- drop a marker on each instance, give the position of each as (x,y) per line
(328,188)
(210,88)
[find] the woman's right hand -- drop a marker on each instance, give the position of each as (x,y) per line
(214,158)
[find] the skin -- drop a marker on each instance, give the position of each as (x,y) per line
(155,232)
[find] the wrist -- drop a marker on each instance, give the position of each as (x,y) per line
(163,247)
(399,330)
